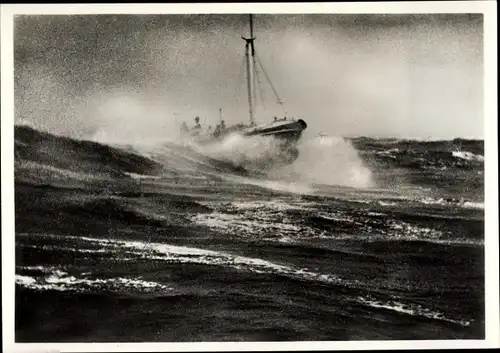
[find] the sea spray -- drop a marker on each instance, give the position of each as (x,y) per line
(253,153)
(325,160)
(127,116)
(321,160)
(328,161)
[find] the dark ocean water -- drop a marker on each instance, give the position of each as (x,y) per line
(361,239)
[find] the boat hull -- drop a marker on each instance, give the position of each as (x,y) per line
(285,132)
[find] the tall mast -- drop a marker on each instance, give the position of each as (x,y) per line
(249,53)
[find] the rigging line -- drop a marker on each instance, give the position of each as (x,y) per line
(254,94)
(240,76)
(280,102)
(260,87)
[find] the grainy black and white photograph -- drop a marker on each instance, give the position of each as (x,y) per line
(254,176)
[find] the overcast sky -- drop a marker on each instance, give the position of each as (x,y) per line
(374,75)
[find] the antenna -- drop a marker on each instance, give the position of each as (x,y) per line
(220,115)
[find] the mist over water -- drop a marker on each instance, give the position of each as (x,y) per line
(132,120)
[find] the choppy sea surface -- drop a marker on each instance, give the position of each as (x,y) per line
(359,239)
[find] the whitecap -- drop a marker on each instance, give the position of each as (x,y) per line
(470,204)
(141,176)
(57,279)
(411,309)
(469,156)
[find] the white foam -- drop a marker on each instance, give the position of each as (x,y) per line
(242,225)
(290,186)
(180,254)
(254,218)
(65,248)
(387,203)
(431,201)
(470,204)
(258,219)
(56,279)
(388,153)
(37,268)
(459,203)
(274,205)
(376,214)
(338,217)
(25,280)
(360,201)
(60,172)
(141,176)
(405,231)
(469,156)
(411,309)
